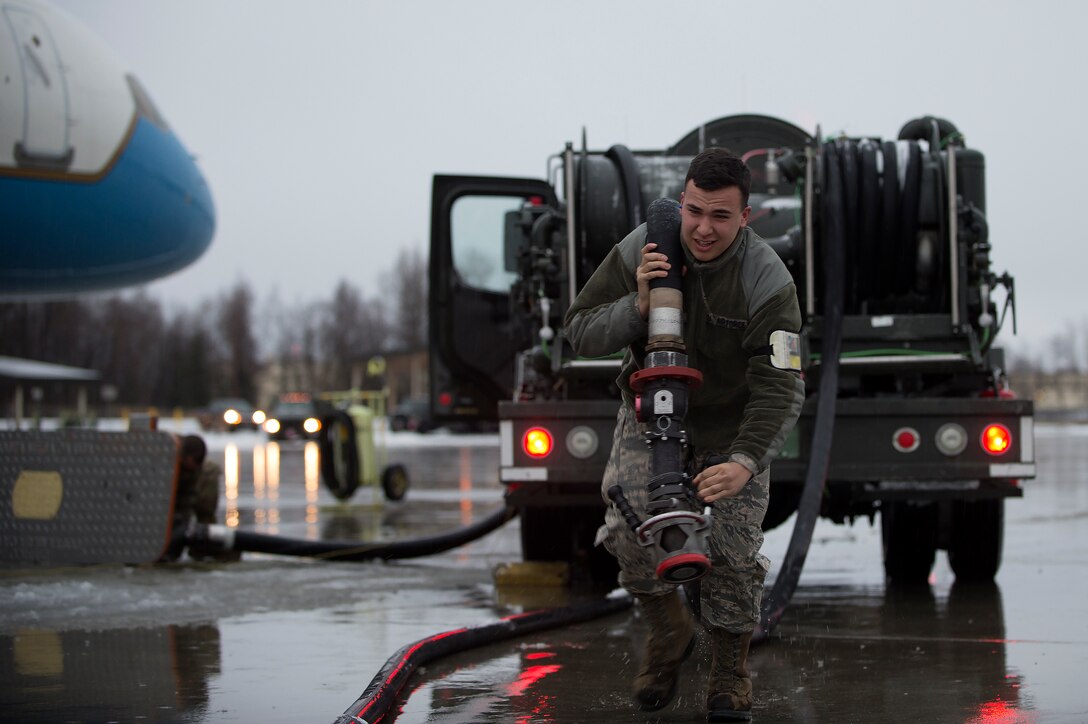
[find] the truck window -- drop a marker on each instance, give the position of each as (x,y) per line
(477,226)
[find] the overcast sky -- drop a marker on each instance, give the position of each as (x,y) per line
(319,125)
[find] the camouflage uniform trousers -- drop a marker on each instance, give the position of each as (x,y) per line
(197,498)
(731,592)
(198,494)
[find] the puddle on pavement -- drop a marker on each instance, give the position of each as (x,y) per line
(296,640)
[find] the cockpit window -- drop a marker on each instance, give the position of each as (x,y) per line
(144,105)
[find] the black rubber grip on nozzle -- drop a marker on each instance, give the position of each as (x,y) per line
(663,229)
(615,493)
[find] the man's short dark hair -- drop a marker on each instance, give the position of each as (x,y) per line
(719,168)
(193,446)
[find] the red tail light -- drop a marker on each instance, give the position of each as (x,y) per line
(537,442)
(996,439)
(906,439)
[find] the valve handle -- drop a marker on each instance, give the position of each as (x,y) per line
(615,494)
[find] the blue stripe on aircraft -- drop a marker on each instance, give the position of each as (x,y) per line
(150,215)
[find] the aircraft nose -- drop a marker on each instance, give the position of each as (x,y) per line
(172,204)
(149,215)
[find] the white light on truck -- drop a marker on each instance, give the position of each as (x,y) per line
(582,442)
(951,439)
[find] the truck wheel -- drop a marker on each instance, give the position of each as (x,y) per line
(976,538)
(909,534)
(395,482)
(540,534)
(783,503)
(566,535)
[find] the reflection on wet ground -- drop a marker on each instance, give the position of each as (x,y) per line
(287,640)
(99,676)
(439,476)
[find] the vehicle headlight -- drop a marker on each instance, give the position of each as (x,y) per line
(258,417)
(311,425)
(232,417)
(271,426)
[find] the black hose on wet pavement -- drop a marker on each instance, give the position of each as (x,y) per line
(808,510)
(380,696)
(346,550)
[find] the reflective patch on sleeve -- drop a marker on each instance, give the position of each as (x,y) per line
(786,350)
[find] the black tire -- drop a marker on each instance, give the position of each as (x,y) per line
(909,534)
(339,455)
(395,482)
(539,541)
(976,539)
(782,504)
(566,535)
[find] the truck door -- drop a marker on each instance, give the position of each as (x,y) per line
(472,267)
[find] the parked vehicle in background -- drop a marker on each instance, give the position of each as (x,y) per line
(412,414)
(228,414)
(294,416)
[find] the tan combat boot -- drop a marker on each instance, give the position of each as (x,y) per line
(670,640)
(729,690)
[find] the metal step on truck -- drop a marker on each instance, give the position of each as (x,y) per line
(927,433)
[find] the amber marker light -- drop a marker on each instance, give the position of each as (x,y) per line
(537,442)
(996,439)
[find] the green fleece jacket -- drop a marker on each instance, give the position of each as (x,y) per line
(746,406)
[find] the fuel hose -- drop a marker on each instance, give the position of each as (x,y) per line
(380,696)
(243,540)
(808,510)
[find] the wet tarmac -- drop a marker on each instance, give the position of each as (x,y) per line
(294,640)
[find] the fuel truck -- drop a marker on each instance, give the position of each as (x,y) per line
(927,433)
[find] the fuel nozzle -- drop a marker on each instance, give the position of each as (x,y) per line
(676,528)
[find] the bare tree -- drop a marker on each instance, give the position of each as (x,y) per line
(409,316)
(353,330)
(189,361)
(60,332)
(1063,350)
(129,351)
(296,348)
(240,347)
